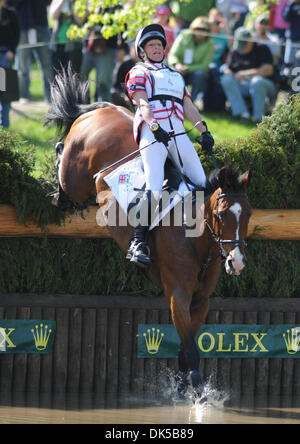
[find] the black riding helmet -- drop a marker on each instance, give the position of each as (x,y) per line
(153,31)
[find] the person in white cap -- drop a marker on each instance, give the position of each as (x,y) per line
(162,100)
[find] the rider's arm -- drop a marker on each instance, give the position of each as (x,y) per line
(192,113)
(141,100)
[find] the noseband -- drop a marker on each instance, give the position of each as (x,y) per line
(218,236)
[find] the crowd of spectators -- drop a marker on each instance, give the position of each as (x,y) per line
(231,58)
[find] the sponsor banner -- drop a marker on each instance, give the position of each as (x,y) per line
(26,336)
(223,341)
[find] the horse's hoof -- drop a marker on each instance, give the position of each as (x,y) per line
(179,396)
(182,384)
(196,380)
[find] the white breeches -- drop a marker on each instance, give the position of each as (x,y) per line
(154,156)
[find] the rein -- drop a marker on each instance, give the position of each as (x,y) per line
(217,239)
(171,133)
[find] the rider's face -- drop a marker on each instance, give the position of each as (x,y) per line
(154,50)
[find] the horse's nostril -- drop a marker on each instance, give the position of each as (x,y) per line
(231,265)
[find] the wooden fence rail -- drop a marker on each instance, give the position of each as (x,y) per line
(267,224)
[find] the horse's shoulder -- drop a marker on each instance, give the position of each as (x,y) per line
(125,110)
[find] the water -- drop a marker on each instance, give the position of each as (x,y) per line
(214,407)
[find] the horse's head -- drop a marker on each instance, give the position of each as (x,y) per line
(230,214)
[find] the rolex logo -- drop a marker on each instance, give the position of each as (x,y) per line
(153,340)
(41,336)
(292,340)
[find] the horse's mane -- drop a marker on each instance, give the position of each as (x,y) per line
(69,99)
(228,178)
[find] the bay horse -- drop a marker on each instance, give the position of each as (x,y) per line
(97,135)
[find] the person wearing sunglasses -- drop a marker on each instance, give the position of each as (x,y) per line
(221,36)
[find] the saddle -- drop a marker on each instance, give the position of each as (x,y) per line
(173,178)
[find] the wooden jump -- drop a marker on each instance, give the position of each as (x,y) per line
(96,342)
(264,224)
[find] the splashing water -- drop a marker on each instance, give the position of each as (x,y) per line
(209,396)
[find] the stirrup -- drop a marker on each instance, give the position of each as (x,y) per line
(137,255)
(54,197)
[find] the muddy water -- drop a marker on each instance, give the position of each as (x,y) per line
(218,409)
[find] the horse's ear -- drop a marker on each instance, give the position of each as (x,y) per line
(245,180)
(222,177)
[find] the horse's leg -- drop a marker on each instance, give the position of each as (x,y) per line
(200,302)
(189,355)
(182,377)
(188,318)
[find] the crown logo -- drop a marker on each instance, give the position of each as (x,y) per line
(153,340)
(41,336)
(292,340)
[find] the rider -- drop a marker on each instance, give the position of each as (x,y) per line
(162,100)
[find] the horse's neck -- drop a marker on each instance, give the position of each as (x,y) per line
(204,244)
(210,205)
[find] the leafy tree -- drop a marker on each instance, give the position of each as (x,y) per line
(115,16)
(123,16)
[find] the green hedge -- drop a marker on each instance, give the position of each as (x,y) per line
(86,266)
(272,152)
(19,188)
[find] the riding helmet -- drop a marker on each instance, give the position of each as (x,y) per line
(153,31)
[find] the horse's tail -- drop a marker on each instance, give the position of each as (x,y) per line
(69,99)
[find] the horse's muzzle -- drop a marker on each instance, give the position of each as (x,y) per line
(235,264)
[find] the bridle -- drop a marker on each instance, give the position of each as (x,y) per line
(217,237)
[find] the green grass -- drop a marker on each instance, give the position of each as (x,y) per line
(223,127)
(40,139)
(35,137)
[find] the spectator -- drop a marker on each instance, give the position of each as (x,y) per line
(224,7)
(191,54)
(214,99)
(278,25)
(220,36)
(62,49)
(162,18)
(9,37)
(248,74)
(238,11)
(291,14)
(34,38)
(119,96)
(261,35)
(187,11)
(100,54)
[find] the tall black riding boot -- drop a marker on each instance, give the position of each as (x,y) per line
(139,251)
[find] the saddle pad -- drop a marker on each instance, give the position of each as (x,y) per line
(128,180)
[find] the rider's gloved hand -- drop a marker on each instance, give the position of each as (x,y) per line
(159,133)
(206,141)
